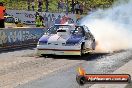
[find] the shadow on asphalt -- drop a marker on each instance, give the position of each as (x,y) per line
(86,57)
(17,49)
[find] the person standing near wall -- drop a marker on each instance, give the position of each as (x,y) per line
(58,20)
(81,8)
(62,5)
(33,5)
(45,20)
(28,3)
(58,6)
(2,12)
(40,3)
(72,6)
(47,5)
(39,20)
(77,7)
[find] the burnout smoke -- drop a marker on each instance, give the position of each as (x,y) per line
(112,28)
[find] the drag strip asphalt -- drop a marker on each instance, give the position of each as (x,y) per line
(65,76)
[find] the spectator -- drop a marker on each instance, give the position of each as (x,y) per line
(58,20)
(64,19)
(81,8)
(42,21)
(47,5)
(40,5)
(52,19)
(40,9)
(45,20)
(72,6)
(39,20)
(77,7)
(62,5)
(33,5)
(36,14)
(78,18)
(58,6)
(28,2)
(70,21)
(67,8)
(49,20)
(2,12)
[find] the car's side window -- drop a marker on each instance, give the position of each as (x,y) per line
(79,31)
(86,36)
(86,28)
(89,36)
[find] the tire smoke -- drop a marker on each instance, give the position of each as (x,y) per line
(112,28)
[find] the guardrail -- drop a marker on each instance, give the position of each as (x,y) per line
(11,38)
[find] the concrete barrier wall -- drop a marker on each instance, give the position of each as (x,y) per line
(19,37)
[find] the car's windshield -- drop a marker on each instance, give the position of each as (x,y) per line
(54,29)
(76,30)
(9,20)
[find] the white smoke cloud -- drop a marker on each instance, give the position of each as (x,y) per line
(112,28)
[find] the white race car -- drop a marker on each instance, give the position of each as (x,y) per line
(66,39)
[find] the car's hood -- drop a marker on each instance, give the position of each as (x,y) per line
(56,39)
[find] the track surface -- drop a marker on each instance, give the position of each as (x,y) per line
(22,69)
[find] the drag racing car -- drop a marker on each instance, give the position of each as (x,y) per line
(66,39)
